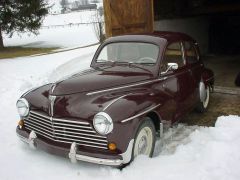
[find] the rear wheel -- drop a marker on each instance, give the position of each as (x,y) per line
(203,104)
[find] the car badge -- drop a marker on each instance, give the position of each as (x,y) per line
(52,100)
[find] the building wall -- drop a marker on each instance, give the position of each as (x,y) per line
(197,27)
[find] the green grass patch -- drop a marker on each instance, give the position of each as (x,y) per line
(13,52)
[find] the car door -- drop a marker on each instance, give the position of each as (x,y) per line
(174,53)
(195,67)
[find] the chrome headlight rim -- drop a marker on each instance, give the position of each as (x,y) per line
(25,102)
(109,125)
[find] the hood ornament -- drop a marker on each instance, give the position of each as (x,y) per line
(52,88)
(52,100)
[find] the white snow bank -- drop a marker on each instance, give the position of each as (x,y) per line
(188,153)
(211,153)
(64,36)
(55,37)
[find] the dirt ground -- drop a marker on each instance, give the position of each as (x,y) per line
(225,69)
(220,105)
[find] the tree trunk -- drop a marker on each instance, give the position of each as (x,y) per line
(1,39)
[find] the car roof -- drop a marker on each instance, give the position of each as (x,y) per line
(166,35)
(172,36)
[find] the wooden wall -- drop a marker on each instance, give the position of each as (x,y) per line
(128,16)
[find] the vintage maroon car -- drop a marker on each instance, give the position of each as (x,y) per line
(136,86)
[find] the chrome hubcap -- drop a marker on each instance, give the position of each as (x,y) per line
(206,100)
(143,144)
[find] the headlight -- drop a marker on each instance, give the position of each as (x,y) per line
(103,124)
(23,107)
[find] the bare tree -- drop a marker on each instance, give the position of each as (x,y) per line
(98,24)
(64,4)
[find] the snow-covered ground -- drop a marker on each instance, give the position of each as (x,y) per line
(198,153)
(63,36)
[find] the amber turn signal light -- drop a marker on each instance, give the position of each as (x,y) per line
(21,124)
(112,146)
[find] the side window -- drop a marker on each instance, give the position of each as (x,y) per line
(191,54)
(173,54)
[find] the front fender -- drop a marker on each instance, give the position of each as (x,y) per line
(128,106)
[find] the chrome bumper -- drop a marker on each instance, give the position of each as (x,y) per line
(74,157)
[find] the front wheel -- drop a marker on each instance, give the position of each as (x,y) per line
(145,139)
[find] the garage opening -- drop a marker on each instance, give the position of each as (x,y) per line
(215,24)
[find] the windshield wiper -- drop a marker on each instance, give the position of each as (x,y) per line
(104,61)
(133,64)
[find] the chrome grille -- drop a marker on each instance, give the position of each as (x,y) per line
(66,131)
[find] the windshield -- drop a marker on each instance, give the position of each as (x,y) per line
(129,52)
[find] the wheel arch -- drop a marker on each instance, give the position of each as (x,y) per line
(156,119)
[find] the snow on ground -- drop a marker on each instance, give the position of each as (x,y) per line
(56,37)
(60,36)
(188,153)
(68,18)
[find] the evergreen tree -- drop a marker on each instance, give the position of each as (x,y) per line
(21,16)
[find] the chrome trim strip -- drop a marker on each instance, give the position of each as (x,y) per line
(78,140)
(37,127)
(37,123)
(137,115)
(122,87)
(31,116)
(83,144)
(40,132)
(76,122)
(38,114)
(70,125)
(90,135)
(80,137)
(83,130)
(52,100)
(115,100)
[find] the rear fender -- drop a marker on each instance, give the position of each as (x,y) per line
(208,78)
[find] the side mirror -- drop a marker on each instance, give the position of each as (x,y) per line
(170,66)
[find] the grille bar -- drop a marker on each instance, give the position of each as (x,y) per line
(71,125)
(87,138)
(74,129)
(63,130)
(39,131)
(38,127)
(82,134)
(38,124)
(40,118)
(64,120)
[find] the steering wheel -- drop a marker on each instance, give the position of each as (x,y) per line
(148,59)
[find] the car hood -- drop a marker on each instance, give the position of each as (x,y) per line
(99,79)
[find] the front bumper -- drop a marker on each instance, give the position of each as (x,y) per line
(73,153)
